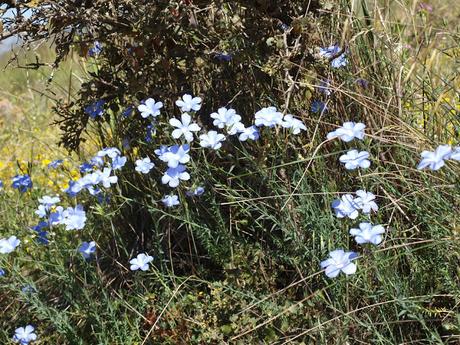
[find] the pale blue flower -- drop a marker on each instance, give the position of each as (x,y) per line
(87,249)
(294,124)
(339,261)
(268,117)
(354,159)
(368,233)
(118,162)
(250,132)
(95,50)
(225,117)
(195,192)
(184,127)
(189,103)
(97,161)
(162,150)
(41,211)
(105,178)
(435,160)
(49,201)
(8,245)
(365,201)
(150,108)
(74,218)
(140,262)
(173,176)
(24,335)
(237,127)
(176,155)
(144,165)
(330,51)
(111,152)
(348,132)
(340,61)
(212,140)
(170,200)
(455,155)
(346,207)
(54,164)
(2,272)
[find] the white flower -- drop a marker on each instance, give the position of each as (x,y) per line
(346,207)
(353,159)
(268,117)
(144,165)
(176,155)
(140,262)
(250,132)
(435,160)
(173,176)
(187,103)
(455,155)
(49,200)
(295,124)
(339,261)
(368,233)
(42,210)
(212,139)
(150,108)
(225,117)
(24,335)
(365,201)
(170,200)
(8,245)
(184,127)
(348,132)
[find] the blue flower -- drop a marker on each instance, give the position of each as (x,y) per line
(74,218)
(24,335)
(54,164)
(56,217)
(330,51)
(144,165)
(318,106)
(368,233)
(212,140)
(150,108)
(22,183)
(162,150)
(1,184)
(111,152)
(2,272)
(28,289)
(95,109)
(195,192)
(173,176)
(349,131)
(294,124)
(268,117)
(8,245)
(118,162)
(95,50)
(42,237)
(354,159)
(435,160)
(86,167)
(346,207)
(250,132)
(175,155)
(70,190)
(339,261)
(222,57)
(170,200)
(150,132)
(128,111)
(340,61)
(87,249)
(325,87)
(141,262)
(362,83)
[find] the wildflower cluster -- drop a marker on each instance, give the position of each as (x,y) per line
(349,206)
